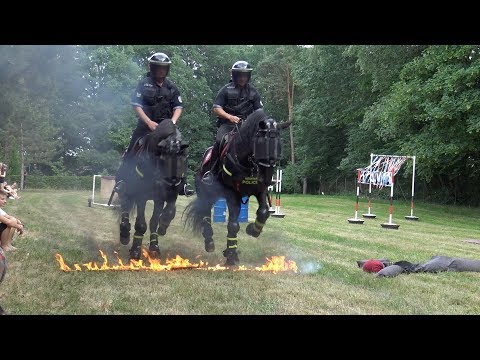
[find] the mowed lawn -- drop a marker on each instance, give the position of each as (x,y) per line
(315,233)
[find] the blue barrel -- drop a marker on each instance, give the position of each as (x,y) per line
(220,210)
(243,217)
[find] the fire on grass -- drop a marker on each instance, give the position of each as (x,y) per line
(274,264)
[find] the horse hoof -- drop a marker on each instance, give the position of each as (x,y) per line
(135,254)
(154,254)
(251,230)
(124,240)
(229,262)
(232,257)
(154,251)
(209,246)
(232,261)
(162,230)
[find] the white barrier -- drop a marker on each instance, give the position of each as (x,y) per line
(276,211)
(104,189)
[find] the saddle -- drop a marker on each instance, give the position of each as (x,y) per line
(223,148)
(139,146)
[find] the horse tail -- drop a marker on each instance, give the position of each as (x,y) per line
(201,206)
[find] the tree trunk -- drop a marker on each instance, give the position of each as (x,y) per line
(290,109)
(304,186)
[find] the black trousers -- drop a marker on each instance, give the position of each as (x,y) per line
(140,130)
(222,130)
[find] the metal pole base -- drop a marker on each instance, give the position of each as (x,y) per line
(411,217)
(271,210)
(355,221)
(390,226)
(369,216)
(278,215)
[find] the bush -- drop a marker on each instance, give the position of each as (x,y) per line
(55,182)
(291,182)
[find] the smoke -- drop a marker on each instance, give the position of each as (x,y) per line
(278,244)
(77,95)
(38,84)
(309,267)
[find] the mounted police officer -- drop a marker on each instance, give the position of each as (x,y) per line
(156,98)
(233,103)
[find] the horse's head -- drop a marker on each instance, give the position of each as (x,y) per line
(267,145)
(257,145)
(168,153)
(260,139)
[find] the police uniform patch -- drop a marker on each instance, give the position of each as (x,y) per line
(139,95)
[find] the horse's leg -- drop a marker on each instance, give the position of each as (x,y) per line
(207,230)
(199,211)
(153,248)
(254,229)
(125,205)
(233,204)
(169,211)
(140,229)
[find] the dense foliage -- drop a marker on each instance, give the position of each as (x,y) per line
(65,110)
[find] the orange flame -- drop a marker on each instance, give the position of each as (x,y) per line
(275,264)
(278,263)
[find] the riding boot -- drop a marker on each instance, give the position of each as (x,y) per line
(185,189)
(122,174)
(215,158)
(210,175)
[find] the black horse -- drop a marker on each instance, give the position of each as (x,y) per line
(249,154)
(156,172)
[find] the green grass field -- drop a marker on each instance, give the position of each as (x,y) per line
(315,233)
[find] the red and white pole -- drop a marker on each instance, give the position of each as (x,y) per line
(278,190)
(356,220)
(391,198)
(358,194)
(370,215)
(411,216)
(390,224)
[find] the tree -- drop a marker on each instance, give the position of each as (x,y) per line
(335,95)
(277,84)
(433,112)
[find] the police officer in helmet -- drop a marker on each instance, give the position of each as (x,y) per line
(233,103)
(155,99)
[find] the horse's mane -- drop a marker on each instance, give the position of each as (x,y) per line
(249,128)
(164,129)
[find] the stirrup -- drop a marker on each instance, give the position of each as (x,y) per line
(187,191)
(120,187)
(208,178)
